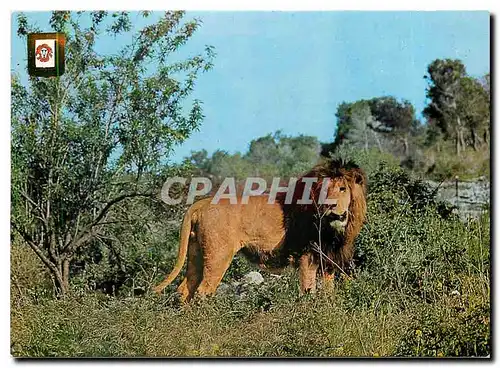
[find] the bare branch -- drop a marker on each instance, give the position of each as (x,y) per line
(114,201)
(37,249)
(28,198)
(322,254)
(88,233)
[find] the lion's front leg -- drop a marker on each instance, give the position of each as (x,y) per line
(328,281)
(307,273)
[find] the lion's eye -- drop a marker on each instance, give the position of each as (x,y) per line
(342,189)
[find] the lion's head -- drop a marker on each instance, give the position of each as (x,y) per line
(338,189)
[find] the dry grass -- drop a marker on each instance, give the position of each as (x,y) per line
(311,326)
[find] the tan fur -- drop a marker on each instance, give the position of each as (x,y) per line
(211,234)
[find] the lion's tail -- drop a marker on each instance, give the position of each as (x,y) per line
(181,257)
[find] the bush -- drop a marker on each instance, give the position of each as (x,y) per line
(136,251)
(458,326)
(370,160)
(29,279)
(445,163)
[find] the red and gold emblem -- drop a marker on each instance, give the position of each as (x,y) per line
(43,53)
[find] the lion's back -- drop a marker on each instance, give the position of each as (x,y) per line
(257,222)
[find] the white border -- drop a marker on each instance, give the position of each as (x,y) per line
(259,5)
(427,5)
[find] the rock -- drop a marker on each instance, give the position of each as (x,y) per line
(253,278)
(223,288)
(472,196)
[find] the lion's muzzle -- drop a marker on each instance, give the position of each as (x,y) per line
(332,216)
(337,221)
(342,217)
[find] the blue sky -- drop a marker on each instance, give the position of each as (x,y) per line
(289,70)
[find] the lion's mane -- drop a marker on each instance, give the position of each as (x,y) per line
(302,221)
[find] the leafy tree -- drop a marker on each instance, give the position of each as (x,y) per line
(474,108)
(379,122)
(226,165)
(263,154)
(361,134)
(459,104)
(485,82)
(444,77)
(87,141)
(344,123)
(269,156)
(395,118)
(200,162)
(281,155)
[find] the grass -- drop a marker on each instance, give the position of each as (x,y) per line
(320,326)
(310,326)
(445,164)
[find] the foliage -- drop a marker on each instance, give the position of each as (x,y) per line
(381,122)
(24,287)
(397,117)
(140,244)
(276,155)
(361,133)
(458,111)
(97,136)
(445,164)
(461,327)
(444,85)
(369,160)
(474,107)
(457,104)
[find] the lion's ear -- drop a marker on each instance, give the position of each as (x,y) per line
(359,176)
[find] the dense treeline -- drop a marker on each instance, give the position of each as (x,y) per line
(267,157)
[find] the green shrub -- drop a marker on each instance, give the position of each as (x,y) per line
(29,279)
(134,254)
(458,326)
(370,160)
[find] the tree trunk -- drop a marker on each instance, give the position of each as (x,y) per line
(462,140)
(405,142)
(475,139)
(459,136)
(457,140)
(366,139)
(65,275)
(377,139)
(486,137)
(61,278)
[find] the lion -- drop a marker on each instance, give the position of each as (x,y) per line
(274,235)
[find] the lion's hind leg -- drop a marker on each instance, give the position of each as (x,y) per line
(215,264)
(194,272)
